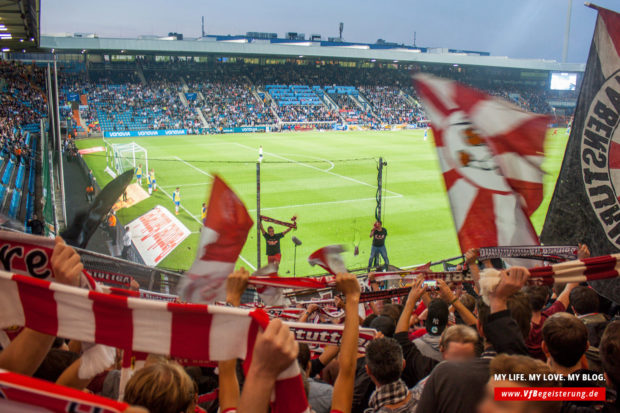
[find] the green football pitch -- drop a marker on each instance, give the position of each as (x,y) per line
(327,179)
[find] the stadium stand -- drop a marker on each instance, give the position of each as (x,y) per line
(23,105)
(173,94)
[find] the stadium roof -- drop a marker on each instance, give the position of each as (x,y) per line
(19,24)
(241,46)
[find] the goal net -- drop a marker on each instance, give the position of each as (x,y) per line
(121,157)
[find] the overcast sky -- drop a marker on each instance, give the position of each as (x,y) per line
(520,29)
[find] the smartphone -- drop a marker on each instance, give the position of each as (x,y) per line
(430,284)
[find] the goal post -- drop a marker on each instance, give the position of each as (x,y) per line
(121,157)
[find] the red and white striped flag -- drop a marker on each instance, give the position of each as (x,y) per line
(329,259)
(490,152)
(222,237)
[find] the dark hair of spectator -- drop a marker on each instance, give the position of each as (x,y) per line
(566,338)
(384,358)
(584,300)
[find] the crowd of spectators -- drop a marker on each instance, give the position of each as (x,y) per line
(441,350)
(351,112)
(134,106)
(13,142)
(307,113)
(231,105)
(21,93)
(228,94)
(390,105)
(22,104)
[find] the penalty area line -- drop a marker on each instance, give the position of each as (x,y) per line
(348,178)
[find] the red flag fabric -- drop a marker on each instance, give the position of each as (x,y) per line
(490,152)
(329,259)
(24,394)
(222,237)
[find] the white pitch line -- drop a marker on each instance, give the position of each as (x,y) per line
(192,166)
(185,185)
(318,169)
(181,205)
(200,222)
(322,203)
(316,157)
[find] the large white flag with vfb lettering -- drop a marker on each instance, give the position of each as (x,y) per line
(490,152)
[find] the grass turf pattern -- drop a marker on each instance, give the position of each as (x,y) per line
(327,179)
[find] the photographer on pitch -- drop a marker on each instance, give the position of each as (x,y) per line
(378,234)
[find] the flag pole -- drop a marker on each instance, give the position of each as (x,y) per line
(258,214)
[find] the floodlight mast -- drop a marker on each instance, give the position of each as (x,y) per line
(258,221)
(567,30)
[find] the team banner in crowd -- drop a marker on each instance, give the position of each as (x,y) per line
(28,395)
(108,278)
(222,237)
(156,234)
(585,206)
(31,255)
(325,334)
(369,296)
(490,153)
(193,331)
(534,252)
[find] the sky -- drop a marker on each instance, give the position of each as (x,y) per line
(517,29)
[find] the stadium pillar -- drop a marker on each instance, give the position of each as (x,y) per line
(61,176)
(50,107)
(258,215)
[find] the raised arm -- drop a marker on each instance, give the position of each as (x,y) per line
(564,297)
(289,229)
(501,330)
(343,387)
(471,257)
(416,292)
(312,308)
(262,230)
(236,284)
(452,300)
(228,385)
(275,349)
(228,393)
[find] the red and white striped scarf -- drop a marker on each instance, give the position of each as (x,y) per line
(28,395)
(587,269)
(194,331)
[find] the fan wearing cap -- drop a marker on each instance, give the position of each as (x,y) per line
(436,322)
